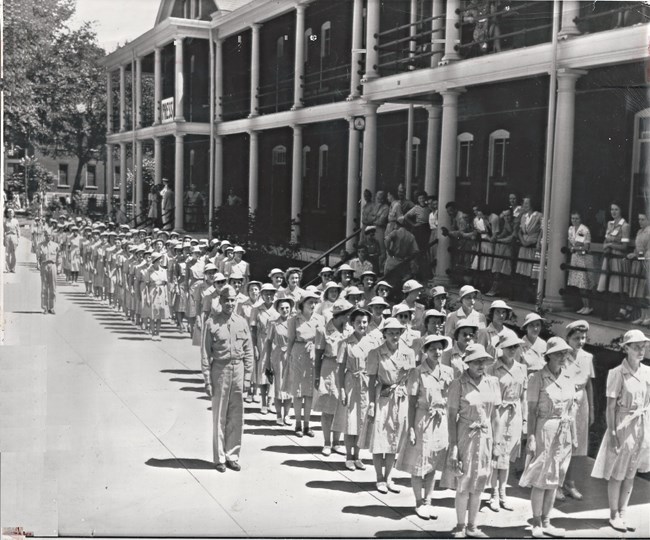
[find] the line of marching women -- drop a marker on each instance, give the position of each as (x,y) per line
(451,396)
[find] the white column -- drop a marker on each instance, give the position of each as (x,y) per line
(179,106)
(299,66)
(253,171)
(437,10)
(372,28)
(408,173)
(122,98)
(433,139)
(138,177)
(369,164)
(447,183)
(157,159)
(110,183)
(559,212)
(179,187)
(570,10)
(109,102)
(218,75)
(452,32)
(138,92)
(123,178)
(357,44)
(352,205)
(255,68)
(296,181)
(218,170)
(157,84)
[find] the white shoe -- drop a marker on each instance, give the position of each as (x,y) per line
(349,465)
(538,532)
(422,512)
(581,310)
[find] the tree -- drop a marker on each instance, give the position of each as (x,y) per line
(73,111)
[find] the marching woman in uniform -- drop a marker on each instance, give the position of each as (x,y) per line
(496,331)
(157,294)
(388,370)
(640,268)
(74,253)
(464,336)
(292,290)
(353,384)
(551,434)
(534,347)
(625,449)
(507,425)
(580,367)
(275,359)
(424,450)
(404,315)
(328,343)
(434,325)
(260,319)
(331,293)
(530,234)
(472,406)
(301,351)
(147,310)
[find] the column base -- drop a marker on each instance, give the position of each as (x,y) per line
(448,59)
(179,119)
(253,115)
(297,107)
(553,303)
(568,33)
(443,280)
(352,97)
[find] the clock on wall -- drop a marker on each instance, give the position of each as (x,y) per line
(359,123)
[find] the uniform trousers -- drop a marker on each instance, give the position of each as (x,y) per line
(48,285)
(10,245)
(227,409)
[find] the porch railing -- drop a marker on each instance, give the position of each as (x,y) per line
(601,16)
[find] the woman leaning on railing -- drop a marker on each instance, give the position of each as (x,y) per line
(640,269)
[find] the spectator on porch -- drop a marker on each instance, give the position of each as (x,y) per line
(372,246)
(460,233)
(153,202)
(233,199)
(360,263)
(167,205)
(640,269)
(400,245)
(515,208)
(194,207)
(485,228)
(579,245)
(530,237)
(368,210)
(432,202)
(394,211)
(503,241)
(418,220)
(381,221)
(404,203)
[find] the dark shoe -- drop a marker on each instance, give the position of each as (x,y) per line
(52,312)
(298,431)
(221,467)
(559,495)
(309,433)
(573,493)
(234,465)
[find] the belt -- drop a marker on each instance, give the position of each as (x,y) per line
(48,262)
(632,414)
(233,361)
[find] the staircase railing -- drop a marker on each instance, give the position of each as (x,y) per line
(326,256)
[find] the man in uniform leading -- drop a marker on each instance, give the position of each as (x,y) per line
(227,364)
(48,257)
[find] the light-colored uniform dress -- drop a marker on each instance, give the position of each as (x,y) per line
(156,281)
(261,318)
(475,403)
(295,295)
(532,354)
(632,416)
(475,317)
(580,369)
(507,424)
(453,358)
(74,250)
(429,452)
(278,334)
(138,276)
(576,278)
(408,337)
(301,362)
(554,429)
(329,340)
(640,268)
(99,265)
(617,231)
(389,424)
(489,337)
(353,354)
(502,263)
(531,228)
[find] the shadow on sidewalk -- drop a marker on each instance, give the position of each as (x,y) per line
(380,510)
(180,463)
(341,485)
(292,449)
(181,372)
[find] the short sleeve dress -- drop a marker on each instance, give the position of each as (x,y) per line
(533,354)
(158,295)
(554,430)
(278,336)
(632,416)
(261,318)
(392,369)
(475,403)
(578,278)
(329,340)
(301,362)
(430,386)
(640,268)
(580,369)
(617,231)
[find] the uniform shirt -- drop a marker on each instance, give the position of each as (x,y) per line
(533,354)
(401,244)
(48,252)
(12,227)
(475,317)
(489,337)
(360,267)
(419,215)
(227,339)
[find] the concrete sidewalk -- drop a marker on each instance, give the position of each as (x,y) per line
(106,433)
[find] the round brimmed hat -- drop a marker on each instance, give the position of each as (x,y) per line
(74,228)
(238,249)
(464,323)
(467,289)
(360,311)
(392,324)
(178,246)
(277,301)
(378,301)
(276,271)
(307,295)
(258,283)
(579,325)
(214,242)
(556,344)
(370,228)
(292,270)
(325,270)
(236,274)
(174,234)
(434,338)
(383,284)
(268,287)
(140,249)
(196,249)
(228,292)
(433,313)
(411,285)
(500,304)
(313,288)
(340,307)
(156,255)
(474,352)
(344,268)
(331,285)
(531,318)
(634,336)
(369,273)
(228,248)
(401,308)
(219,277)
(353,291)
(210,268)
(510,341)
(439,290)
(103,233)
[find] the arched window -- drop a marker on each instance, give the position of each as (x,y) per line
(305,45)
(499,141)
(279,155)
(323,171)
(305,158)
(325,39)
(279,47)
(465,141)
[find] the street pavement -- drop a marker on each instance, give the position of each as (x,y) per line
(106,433)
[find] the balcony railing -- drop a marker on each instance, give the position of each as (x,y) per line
(494,26)
(410,46)
(600,16)
(235,106)
(276,96)
(327,86)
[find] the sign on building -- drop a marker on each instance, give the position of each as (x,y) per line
(167,110)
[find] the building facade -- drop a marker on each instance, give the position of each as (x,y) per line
(296,106)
